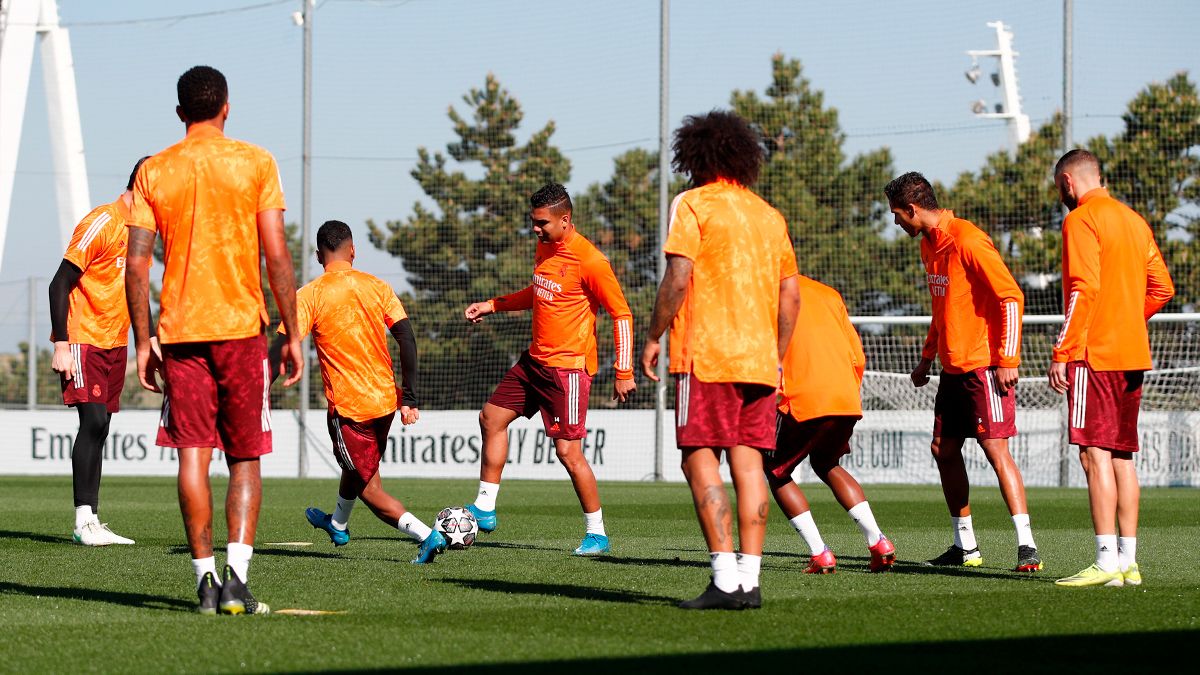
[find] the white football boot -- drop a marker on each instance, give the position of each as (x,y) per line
(95,533)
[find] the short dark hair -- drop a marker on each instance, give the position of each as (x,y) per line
(133,174)
(202,91)
(554,196)
(332,235)
(1076,159)
(715,145)
(911,188)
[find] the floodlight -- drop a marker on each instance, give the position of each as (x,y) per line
(973,73)
(979,107)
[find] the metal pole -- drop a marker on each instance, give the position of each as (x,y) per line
(1064,457)
(1068,67)
(305,224)
(31,357)
(664,186)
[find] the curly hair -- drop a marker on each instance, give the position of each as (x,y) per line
(202,91)
(554,196)
(716,145)
(911,188)
(133,174)
(332,235)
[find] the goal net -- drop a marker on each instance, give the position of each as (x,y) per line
(891,443)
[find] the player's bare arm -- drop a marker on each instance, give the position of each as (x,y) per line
(477,310)
(920,374)
(403,333)
(789,309)
(137,297)
(65,279)
(666,305)
(283,286)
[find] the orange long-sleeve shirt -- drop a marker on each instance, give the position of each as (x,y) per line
(571,280)
(977,305)
(824,363)
(1114,279)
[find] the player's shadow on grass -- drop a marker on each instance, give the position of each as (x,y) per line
(911,567)
(278,552)
(563,590)
(34,536)
(652,562)
(139,600)
(508,544)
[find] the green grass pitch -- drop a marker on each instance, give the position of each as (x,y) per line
(518,601)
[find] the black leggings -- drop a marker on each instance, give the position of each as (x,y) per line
(88,453)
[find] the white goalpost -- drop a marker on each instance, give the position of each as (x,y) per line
(891,443)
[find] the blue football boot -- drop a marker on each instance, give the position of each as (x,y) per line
(594,544)
(434,544)
(323,521)
(487,519)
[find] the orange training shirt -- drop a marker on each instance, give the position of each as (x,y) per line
(1114,280)
(977,305)
(571,279)
(97,314)
(824,364)
(203,196)
(347,312)
(727,329)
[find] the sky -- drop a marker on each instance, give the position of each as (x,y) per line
(386,72)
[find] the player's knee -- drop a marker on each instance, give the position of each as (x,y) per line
(489,423)
(93,422)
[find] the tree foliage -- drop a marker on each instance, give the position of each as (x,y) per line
(834,206)
(474,242)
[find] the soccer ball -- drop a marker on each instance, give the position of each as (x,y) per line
(457,525)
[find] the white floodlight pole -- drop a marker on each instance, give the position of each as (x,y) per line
(664,197)
(21,23)
(305,224)
(1018,122)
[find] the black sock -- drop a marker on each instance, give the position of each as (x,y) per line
(88,453)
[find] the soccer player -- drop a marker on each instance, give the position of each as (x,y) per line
(90,323)
(571,278)
(345,310)
(730,298)
(822,374)
(1114,280)
(218,205)
(976,333)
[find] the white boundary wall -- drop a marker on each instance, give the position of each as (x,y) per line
(888,447)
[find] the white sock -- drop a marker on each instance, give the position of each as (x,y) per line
(748,567)
(341,514)
(413,527)
(861,513)
(1106,552)
(202,566)
(83,516)
(1126,552)
(808,531)
(964,533)
(594,522)
(1024,531)
(237,556)
(725,571)
(485,499)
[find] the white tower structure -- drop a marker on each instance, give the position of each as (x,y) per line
(22,24)
(1005,78)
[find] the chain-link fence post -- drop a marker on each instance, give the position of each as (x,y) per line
(31,355)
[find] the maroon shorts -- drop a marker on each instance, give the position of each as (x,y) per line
(561,394)
(217,395)
(825,437)
(1102,407)
(971,405)
(723,414)
(357,446)
(99,376)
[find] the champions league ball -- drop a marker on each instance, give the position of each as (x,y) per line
(457,525)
